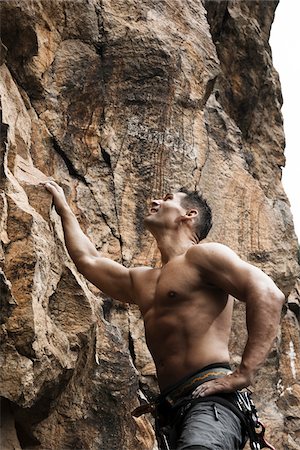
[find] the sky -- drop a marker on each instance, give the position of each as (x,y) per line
(284,42)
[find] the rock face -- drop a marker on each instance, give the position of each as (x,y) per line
(119,102)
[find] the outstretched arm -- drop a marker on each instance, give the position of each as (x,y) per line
(109,276)
(223,268)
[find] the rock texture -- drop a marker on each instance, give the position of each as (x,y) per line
(119,102)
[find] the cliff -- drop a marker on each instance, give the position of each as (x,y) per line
(119,102)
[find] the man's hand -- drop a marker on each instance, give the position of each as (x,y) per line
(229,383)
(59,198)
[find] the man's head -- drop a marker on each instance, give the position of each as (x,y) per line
(180,209)
(203,220)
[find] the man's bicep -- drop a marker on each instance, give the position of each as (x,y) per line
(240,278)
(109,276)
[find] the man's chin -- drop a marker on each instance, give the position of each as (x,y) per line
(150,222)
(147,220)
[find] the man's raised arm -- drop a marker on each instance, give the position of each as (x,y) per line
(109,276)
(224,269)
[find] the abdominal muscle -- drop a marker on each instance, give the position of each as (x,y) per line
(182,340)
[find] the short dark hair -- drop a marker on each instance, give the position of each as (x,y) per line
(195,200)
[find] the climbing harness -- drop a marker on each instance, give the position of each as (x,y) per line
(170,407)
(255,429)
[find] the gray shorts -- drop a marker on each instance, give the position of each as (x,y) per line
(209,425)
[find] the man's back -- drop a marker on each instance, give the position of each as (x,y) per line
(187,319)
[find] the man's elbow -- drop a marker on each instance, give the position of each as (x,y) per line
(281,298)
(83,264)
(271,298)
(277,298)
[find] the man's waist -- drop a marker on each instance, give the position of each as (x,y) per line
(168,397)
(186,385)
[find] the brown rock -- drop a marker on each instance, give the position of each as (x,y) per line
(8,434)
(119,102)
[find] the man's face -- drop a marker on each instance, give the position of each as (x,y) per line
(165,212)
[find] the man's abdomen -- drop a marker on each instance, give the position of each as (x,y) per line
(179,347)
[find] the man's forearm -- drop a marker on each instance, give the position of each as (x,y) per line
(77,243)
(263,317)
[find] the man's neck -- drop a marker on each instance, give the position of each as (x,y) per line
(171,246)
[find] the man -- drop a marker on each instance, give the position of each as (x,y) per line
(187,312)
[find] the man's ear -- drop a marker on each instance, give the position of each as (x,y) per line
(190,214)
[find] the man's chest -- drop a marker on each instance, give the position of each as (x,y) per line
(172,284)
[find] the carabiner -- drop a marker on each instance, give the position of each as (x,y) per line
(261,436)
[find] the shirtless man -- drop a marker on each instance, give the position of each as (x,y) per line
(187,311)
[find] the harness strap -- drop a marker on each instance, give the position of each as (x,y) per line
(144,409)
(194,382)
(190,382)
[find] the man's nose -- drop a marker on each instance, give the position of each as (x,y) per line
(155,202)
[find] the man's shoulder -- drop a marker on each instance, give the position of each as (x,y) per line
(209,248)
(209,252)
